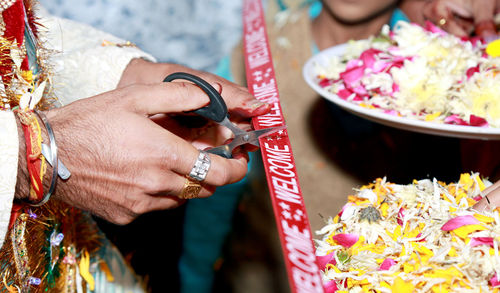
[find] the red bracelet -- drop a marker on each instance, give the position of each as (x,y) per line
(34,159)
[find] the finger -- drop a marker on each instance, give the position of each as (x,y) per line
(491,198)
(462,8)
(180,157)
(158,184)
(166,97)
(491,188)
(483,10)
(241,103)
(453,27)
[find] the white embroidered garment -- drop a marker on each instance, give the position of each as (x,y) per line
(9,149)
(84,67)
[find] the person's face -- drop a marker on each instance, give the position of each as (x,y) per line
(357,11)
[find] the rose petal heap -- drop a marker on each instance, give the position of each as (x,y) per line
(418,73)
(421,237)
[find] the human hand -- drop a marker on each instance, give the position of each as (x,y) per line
(123,164)
(491,198)
(462,17)
(239,102)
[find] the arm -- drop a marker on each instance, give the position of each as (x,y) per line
(123,164)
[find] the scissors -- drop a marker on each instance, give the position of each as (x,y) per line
(216,111)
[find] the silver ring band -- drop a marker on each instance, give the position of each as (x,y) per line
(201,166)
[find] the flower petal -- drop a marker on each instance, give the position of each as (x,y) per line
(494,281)
(475,241)
(387,264)
(459,222)
(478,121)
(454,119)
(326,259)
(331,287)
(346,240)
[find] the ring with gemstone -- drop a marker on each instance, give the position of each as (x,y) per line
(200,167)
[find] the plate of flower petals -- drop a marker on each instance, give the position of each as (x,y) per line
(414,78)
(419,237)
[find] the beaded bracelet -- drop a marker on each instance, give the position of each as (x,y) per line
(55,161)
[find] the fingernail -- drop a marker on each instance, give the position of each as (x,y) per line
(260,108)
(217,86)
(257,105)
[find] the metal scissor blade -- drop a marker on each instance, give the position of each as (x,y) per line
(254,135)
(235,129)
(251,137)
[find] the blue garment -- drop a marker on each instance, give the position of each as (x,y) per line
(207,223)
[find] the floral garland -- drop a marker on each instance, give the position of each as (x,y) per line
(418,73)
(421,237)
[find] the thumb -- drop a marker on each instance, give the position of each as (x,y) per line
(166,97)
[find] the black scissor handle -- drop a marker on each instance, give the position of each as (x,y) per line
(217,109)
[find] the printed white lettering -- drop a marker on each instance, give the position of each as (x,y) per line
(256,48)
(266,91)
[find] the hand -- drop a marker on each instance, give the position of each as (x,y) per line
(461,17)
(122,163)
(239,102)
(491,198)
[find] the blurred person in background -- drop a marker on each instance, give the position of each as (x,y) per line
(459,17)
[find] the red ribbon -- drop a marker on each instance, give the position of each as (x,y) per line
(288,204)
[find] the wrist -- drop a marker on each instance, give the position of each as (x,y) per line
(23,177)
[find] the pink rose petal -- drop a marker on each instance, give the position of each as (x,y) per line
(344,94)
(368,57)
(470,72)
(459,222)
(346,240)
(357,98)
(401,216)
(354,63)
(434,29)
(387,264)
(454,119)
(418,236)
(331,287)
(352,76)
(477,198)
(380,66)
(326,259)
(494,281)
(475,241)
(395,87)
(325,82)
(478,121)
(360,90)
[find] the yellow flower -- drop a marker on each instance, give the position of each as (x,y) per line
(432,117)
(464,231)
(448,274)
(401,286)
(483,218)
(493,49)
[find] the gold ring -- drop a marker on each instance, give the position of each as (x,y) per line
(191,189)
(442,21)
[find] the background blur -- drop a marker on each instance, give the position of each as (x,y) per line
(197,33)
